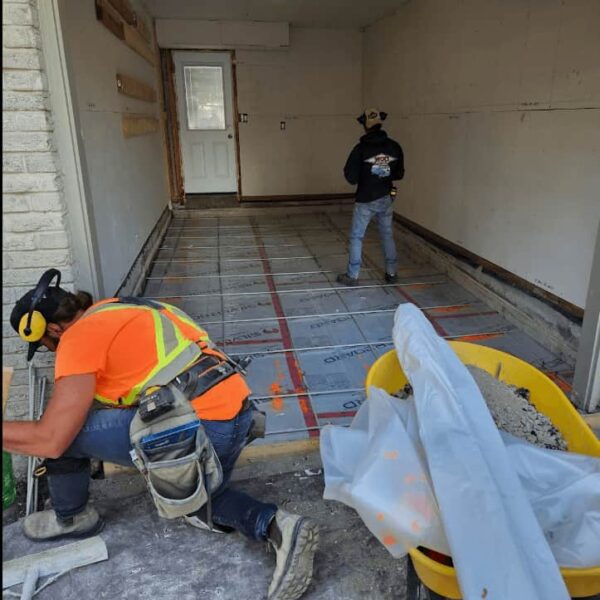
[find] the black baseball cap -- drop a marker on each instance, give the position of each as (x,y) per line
(47,306)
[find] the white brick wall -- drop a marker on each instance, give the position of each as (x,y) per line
(35,235)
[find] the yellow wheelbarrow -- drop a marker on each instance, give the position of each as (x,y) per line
(549,399)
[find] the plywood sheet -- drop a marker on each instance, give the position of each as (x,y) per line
(129,86)
(137,43)
(134,125)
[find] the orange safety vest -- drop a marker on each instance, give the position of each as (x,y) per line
(179,343)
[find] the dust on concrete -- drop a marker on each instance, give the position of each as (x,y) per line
(514,413)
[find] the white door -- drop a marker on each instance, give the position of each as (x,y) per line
(206,127)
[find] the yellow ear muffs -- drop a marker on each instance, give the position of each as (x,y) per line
(36,329)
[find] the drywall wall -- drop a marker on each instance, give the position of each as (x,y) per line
(198,34)
(497,106)
(314,87)
(126,176)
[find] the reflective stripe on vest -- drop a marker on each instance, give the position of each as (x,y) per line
(174,352)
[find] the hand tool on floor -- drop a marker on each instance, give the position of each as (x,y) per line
(56,561)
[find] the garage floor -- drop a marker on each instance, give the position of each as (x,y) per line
(263,284)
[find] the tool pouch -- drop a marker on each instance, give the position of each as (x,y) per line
(183,473)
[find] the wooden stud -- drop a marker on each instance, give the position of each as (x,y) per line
(134,88)
(250,454)
(125,11)
(7,373)
(137,43)
(134,125)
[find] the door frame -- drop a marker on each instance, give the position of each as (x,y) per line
(172,122)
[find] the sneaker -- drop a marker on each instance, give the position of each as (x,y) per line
(295,540)
(391,278)
(195,521)
(346,279)
(45,525)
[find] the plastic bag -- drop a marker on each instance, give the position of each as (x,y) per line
(375,467)
(563,489)
(498,547)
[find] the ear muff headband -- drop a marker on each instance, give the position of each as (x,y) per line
(32,325)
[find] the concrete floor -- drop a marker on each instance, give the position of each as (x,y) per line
(153,558)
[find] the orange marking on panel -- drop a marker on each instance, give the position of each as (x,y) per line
(448,309)
(478,337)
(391,454)
(379,516)
(415,526)
(304,405)
(389,539)
(410,478)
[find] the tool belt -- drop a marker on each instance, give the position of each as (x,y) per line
(176,457)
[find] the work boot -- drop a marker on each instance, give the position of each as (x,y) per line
(295,540)
(391,278)
(346,279)
(45,525)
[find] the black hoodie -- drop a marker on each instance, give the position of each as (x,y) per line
(373,164)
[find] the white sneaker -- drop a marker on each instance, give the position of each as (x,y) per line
(299,540)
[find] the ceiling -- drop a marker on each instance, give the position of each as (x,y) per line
(313,13)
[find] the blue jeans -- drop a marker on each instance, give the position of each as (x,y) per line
(105,436)
(363,213)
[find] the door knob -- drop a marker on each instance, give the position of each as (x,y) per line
(229,135)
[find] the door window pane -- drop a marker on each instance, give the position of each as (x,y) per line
(204,97)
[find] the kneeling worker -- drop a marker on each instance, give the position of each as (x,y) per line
(126,367)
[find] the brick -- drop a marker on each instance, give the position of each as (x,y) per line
(18,241)
(23,81)
(57,240)
(30,182)
(18,14)
(21,58)
(26,141)
(37,258)
(20,36)
(24,277)
(13,163)
(24,222)
(41,163)
(46,202)
(25,101)
(14,204)
(29,121)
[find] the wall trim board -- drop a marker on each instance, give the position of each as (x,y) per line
(137,43)
(559,304)
(134,125)
(133,282)
(297,197)
(134,88)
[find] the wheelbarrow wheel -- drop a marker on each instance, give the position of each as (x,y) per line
(415,589)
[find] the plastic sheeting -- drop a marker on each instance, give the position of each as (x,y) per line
(498,547)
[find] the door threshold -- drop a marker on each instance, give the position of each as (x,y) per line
(195,201)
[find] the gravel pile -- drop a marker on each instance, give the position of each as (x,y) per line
(513,412)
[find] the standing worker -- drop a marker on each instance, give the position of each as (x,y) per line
(373,165)
(133,378)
